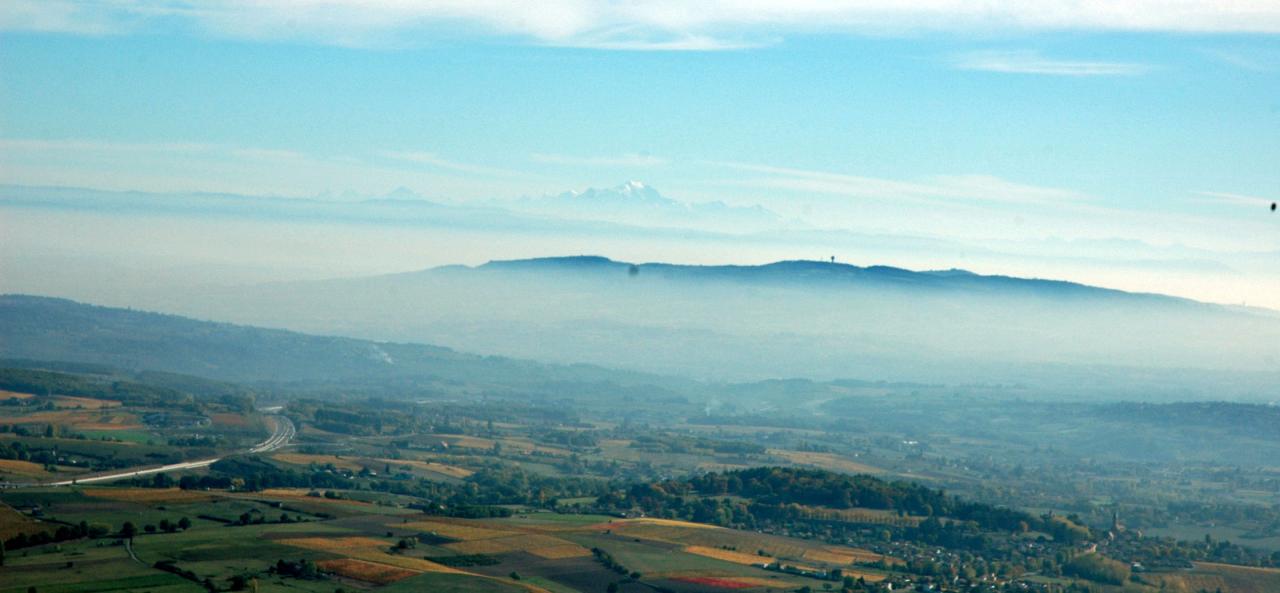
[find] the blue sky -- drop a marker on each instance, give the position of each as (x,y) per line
(1031,121)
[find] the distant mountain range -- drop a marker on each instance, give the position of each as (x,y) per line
(635,203)
(630,207)
(813,319)
(49,329)
(827,275)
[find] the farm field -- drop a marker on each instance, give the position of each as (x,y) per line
(825,461)
(552,552)
(13,469)
(407,497)
(1209,576)
(356,464)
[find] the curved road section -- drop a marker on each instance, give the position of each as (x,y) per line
(280,436)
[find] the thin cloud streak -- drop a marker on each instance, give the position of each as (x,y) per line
(1029,62)
(625,160)
(934,190)
(643,25)
(1236,199)
(435,160)
(195,166)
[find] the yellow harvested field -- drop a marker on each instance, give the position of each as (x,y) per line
(431,466)
(456,531)
(418,564)
(21,467)
(828,461)
(843,555)
(560,552)
(728,555)
(367,549)
(148,495)
(668,523)
(226,419)
(1212,576)
(82,419)
(716,539)
(300,495)
(501,545)
(356,464)
(12,523)
(370,572)
(67,401)
(830,556)
(351,464)
(27,469)
(464,441)
(527,446)
(1237,568)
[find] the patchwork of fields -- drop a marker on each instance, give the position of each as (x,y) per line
(363,546)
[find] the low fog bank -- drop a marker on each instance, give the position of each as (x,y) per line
(804,319)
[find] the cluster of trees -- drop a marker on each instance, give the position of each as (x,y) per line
(607,559)
(19,450)
(512,485)
(168,526)
(253,474)
(477,497)
(1097,568)
(301,569)
(348,421)
(1166,552)
(669,443)
(48,383)
(62,533)
(778,495)
(569,438)
(85,529)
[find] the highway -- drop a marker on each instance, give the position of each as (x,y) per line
(283,432)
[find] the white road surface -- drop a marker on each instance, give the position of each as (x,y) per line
(283,433)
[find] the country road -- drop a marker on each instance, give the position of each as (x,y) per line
(283,433)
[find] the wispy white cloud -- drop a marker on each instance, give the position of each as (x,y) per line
(636,25)
(936,189)
(90,145)
(269,154)
(1030,62)
(195,166)
(624,160)
(435,160)
(1237,199)
(1251,59)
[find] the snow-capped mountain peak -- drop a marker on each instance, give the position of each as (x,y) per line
(629,193)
